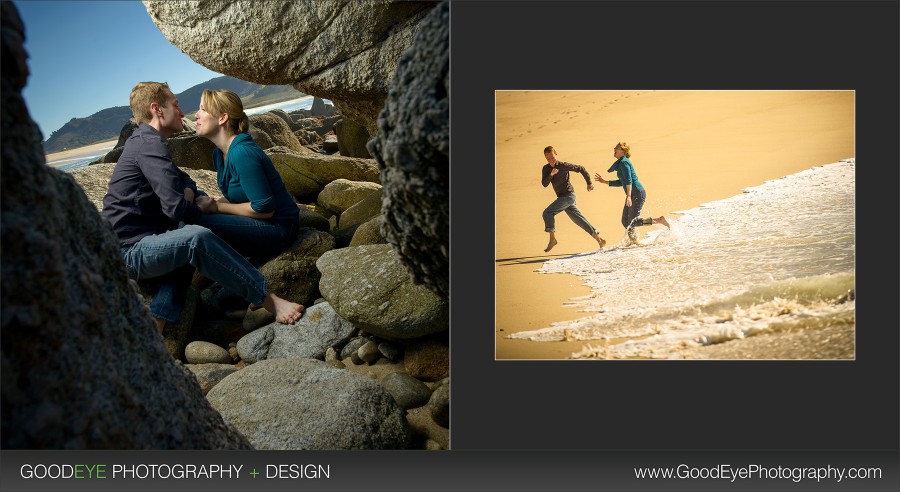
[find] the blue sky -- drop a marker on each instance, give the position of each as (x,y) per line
(85,56)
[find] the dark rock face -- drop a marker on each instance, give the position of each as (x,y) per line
(415,172)
(129,128)
(82,364)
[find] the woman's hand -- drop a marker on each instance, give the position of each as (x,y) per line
(207,204)
(628,201)
(600,178)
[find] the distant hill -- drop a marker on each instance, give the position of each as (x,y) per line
(106,124)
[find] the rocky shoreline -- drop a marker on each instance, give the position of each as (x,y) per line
(364,315)
(367,367)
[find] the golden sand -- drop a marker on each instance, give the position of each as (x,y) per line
(688,148)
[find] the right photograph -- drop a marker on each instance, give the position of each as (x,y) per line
(675,225)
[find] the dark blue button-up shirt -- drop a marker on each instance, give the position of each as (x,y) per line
(146,190)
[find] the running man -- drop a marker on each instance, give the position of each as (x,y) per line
(557,173)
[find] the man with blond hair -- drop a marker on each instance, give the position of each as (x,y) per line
(152,207)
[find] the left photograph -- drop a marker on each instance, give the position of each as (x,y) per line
(225,241)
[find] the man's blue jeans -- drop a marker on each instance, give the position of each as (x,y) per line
(566,203)
(260,240)
(171,254)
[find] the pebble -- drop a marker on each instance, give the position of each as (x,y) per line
(352,346)
(369,352)
(206,353)
(389,351)
(408,391)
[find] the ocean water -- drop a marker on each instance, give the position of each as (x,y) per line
(75,162)
(766,274)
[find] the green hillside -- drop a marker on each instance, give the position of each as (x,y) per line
(106,124)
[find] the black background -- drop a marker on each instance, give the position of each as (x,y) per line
(674,404)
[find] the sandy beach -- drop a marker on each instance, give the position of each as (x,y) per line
(96,148)
(688,148)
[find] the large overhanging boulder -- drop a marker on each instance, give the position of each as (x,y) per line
(341,50)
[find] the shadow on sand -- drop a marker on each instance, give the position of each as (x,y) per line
(524,260)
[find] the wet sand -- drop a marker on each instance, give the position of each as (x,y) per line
(688,148)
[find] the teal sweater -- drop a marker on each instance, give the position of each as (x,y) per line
(248,175)
(625,171)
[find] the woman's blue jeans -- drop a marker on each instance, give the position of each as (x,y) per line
(566,203)
(259,240)
(170,256)
(631,215)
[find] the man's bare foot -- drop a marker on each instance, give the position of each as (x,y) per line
(550,245)
(285,311)
(600,241)
(662,220)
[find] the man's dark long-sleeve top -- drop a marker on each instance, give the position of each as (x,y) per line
(146,190)
(560,180)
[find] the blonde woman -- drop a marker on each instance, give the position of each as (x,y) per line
(635,195)
(257,216)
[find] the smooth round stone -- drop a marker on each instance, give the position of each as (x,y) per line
(369,352)
(408,391)
(206,353)
(389,351)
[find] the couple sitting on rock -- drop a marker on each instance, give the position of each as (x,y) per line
(167,227)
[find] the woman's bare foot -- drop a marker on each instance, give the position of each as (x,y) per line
(662,220)
(285,311)
(550,245)
(160,325)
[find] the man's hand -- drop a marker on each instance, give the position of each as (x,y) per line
(207,204)
(590,186)
(189,194)
(554,171)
